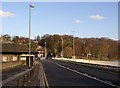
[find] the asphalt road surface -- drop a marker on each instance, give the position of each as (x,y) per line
(61,73)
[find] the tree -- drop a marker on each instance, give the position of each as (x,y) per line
(6,38)
(99,48)
(15,39)
(67,52)
(78,47)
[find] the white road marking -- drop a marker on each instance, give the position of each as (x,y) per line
(86,75)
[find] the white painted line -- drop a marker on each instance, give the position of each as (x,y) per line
(45,81)
(86,75)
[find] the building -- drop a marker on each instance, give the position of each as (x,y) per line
(12,59)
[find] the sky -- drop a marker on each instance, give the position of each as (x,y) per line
(60,0)
(86,19)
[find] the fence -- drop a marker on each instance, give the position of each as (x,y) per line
(31,77)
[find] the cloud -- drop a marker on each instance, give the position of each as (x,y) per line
(4,14)
(78,21)
(97,17)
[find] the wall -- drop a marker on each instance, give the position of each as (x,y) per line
(10,61)
(11,64)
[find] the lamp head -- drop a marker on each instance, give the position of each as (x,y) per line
(32,6)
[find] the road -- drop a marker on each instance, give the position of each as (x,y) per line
(61,73)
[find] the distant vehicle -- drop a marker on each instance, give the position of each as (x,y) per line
(49,56)
(53,55)
(38,58)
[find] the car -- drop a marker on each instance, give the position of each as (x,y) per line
(49,56)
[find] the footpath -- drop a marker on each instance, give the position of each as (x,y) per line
(109,63)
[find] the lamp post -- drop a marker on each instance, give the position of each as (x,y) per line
(45,49)
(30,6)
(62,47)
(73,47)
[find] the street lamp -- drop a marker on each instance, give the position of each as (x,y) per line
(62,47)
(73,47)
(45,49)
(30,6)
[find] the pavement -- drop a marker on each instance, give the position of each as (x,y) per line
(115,63)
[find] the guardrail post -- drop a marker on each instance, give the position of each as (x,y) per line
(18,82)
(27,77)
(30,74)
(25,80)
